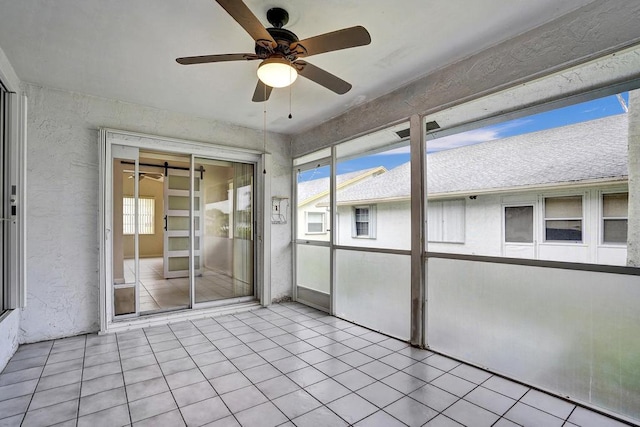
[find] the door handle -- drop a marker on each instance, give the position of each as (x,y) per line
(165,223)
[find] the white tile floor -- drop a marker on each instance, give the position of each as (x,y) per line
(158,293)
(286,365)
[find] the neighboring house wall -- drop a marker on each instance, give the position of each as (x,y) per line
(392,222)
(484,228)
(63,256)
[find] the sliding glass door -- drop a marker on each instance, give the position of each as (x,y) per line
(182,231)
(225,267)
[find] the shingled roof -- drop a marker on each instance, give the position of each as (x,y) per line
(308,190)
(587,151)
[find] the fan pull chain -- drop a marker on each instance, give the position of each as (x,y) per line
(290,89)
(264,133)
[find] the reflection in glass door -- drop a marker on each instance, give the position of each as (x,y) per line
(227,200)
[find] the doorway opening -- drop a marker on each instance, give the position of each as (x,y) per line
(183,230)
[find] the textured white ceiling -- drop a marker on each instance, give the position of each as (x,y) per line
(126,49)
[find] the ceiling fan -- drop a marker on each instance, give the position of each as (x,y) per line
(280,50)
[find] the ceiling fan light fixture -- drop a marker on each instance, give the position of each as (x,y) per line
(277,72)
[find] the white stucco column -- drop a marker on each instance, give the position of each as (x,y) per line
(633,236)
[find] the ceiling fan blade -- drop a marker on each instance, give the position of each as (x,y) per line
(247,20)
(336,40)
(262,92)
(322,77)
(204,59)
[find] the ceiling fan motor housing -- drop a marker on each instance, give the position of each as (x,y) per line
(284,38)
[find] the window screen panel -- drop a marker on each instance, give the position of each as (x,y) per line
(518,224)
(563,230)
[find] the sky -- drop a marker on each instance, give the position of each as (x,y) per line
(585,111)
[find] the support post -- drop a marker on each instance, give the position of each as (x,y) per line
(418,291)
(633,233)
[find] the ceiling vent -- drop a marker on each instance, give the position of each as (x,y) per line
(404,133)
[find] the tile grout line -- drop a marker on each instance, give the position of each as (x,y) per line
(26,411)
(163,377)
(200,370)
(84,355)
(124,385)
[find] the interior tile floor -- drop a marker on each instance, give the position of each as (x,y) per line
(158,293)
(284,365)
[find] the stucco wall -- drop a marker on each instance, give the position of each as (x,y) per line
(62,259)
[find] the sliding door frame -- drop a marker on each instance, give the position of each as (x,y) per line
(261,161)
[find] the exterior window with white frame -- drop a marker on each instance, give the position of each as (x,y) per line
(364,222)
(563,219)
(315,223)
(446,221)
(146,215)
(615,218)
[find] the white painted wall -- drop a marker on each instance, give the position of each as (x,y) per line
(9,331)
(484,228)
(62,260)
(393,227)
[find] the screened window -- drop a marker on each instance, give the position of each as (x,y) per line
(146,215)
(563,219)
(518,224)
(445,219)
(363,224)
(315,222)
(614,217)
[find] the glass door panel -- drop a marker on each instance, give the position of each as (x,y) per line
(125,230)
(227,257)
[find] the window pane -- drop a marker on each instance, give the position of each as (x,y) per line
(615,231)
(146,215)
(615,205)
(570,230)
(315,222)
(518,224)
(563,207)
(362,228)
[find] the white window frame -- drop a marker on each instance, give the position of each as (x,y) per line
(14,199)
(307,222)
(440,204)
(142,229)
(603,218)
(581,219)
(371,221)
